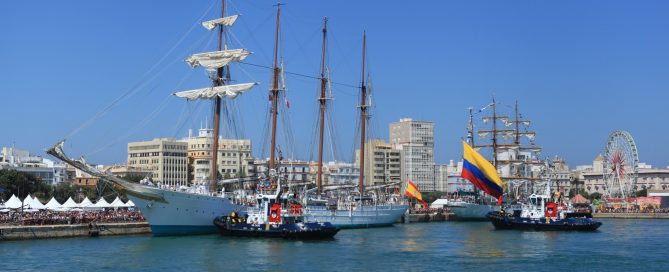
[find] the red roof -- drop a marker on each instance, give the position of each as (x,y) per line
(579,199)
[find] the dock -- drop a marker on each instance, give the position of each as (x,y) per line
(632,215)
(9,233)
(427,217)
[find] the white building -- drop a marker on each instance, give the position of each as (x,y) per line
(383,163)
(416,140)
(166,158)
(233,156)
(342,173)
(293,171)
(46,170)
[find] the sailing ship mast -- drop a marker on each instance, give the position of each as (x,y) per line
(517,141)
(517,165)
(494,133)
(218,81)
(274,92)
(470,127)
(221,89)
(322,100)
(363,117)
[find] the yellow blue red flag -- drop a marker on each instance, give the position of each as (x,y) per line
(481,173)
(414,192)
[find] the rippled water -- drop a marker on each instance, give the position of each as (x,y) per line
(619,245)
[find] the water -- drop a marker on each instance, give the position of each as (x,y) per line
(452,246)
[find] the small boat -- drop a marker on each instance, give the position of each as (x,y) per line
(541,214)
(274,216)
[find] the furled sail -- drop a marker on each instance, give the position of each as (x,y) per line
(225,91)
(225,21)
(217,59)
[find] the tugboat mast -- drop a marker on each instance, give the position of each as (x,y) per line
(274,92)
(322,100)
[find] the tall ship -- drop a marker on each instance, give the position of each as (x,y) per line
(343,206)
(513,153)
(188,209)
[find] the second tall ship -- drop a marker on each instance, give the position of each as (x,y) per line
(350,209)
(513,152)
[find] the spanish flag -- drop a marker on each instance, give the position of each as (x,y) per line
(481,173)
(413,192)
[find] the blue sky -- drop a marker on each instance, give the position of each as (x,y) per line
(579,69)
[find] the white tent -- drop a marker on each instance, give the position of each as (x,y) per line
(86,204)
(13,203)
(101,204)
(38,204)
(129,204)
(53,205)
(117,203)
(70,204)
(29,204)
(439,203)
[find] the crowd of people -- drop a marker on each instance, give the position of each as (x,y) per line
(429,210)
(69,217)
(632,210)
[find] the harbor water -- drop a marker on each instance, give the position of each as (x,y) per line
(618,245)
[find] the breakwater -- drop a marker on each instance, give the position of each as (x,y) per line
(77,230)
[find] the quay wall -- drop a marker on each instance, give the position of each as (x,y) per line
(632,215)
(424,217)
(8,233)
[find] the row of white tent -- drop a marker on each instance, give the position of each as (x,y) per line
(33,204)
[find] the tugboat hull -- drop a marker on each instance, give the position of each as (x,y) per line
(300,231)
(503,221)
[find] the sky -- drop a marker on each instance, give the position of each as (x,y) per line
(101,73)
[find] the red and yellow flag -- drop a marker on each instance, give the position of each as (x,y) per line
(414,192)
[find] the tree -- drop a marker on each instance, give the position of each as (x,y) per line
(64,190)
(595,195)
(430,197)
(642,192)
(21,184)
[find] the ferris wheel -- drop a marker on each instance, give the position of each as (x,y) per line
(621,162)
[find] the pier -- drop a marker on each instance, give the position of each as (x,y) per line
(427,217)
(8,233)
(632,215)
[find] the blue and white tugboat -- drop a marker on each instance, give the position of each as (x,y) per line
(274,216)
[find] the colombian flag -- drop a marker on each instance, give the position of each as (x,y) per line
(481,173)
(412,191)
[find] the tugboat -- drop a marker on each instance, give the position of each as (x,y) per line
(542,214)
(274,216)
